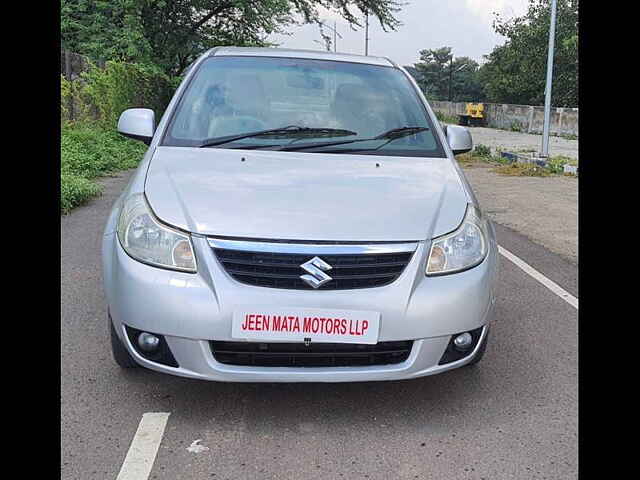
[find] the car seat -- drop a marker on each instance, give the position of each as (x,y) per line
(361,109)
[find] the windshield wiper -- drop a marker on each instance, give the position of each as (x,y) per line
(291,129)
(389,135)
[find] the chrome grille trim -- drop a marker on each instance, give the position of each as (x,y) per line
(312,248)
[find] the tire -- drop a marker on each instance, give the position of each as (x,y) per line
(481,350)
(120,354)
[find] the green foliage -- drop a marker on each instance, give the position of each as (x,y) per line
(441,76)
(87,152)
(569,136)
(65,97)
(413,71)
(556,164)
(91,151)
(501,160)
(75,190)
(516,126)
(444,118)
(108,92)
(481,150)
(516,71)
(481,154)
(172,33)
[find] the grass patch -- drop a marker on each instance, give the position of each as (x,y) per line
(522,170)
(88,152)
(556,164)
(443,117)
(503,166)
(466,159)
(568,136)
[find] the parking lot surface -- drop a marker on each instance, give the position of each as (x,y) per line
(513,416)
(518,141)
(544,209)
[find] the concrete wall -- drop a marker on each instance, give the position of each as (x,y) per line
(530,119)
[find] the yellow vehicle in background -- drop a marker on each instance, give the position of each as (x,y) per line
(474,115)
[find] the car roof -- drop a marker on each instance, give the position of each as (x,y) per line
(296,53)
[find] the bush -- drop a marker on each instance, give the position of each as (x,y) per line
(75,190)
(482,151)
(65,98)
(102,94)
(556,164)
(123,85)
(90,147)
(91,151)
(516,126)
(87,152)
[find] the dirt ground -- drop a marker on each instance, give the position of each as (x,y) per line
(493,138)
(545,209)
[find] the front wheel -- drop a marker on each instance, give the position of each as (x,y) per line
(120,354)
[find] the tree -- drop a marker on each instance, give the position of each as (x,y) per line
(516,71)
(432,69)
(172,33)
(413,71)
(441,76)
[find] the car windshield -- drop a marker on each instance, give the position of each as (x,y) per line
(231,96)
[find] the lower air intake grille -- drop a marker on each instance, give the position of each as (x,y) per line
(315,355)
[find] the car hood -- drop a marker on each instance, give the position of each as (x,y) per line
(304,196)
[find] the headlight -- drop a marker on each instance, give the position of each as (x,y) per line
(146,240)
(462,249)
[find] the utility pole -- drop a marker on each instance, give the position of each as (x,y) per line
(450,78)
(547,91)
(366,32)
(335,33)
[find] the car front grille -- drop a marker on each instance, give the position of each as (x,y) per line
(283,270)
(314,355)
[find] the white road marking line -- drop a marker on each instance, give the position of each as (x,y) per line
(551,285)
(144,447)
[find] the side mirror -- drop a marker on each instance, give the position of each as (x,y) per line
(459,139)
(137,123)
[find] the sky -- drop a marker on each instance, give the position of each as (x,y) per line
(463,25)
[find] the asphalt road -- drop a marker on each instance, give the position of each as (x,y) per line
(514,415)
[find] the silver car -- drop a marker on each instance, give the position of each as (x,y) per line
(298,217)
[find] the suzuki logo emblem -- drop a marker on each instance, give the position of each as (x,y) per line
(316,268)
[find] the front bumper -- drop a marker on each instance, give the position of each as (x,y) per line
(189,310)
